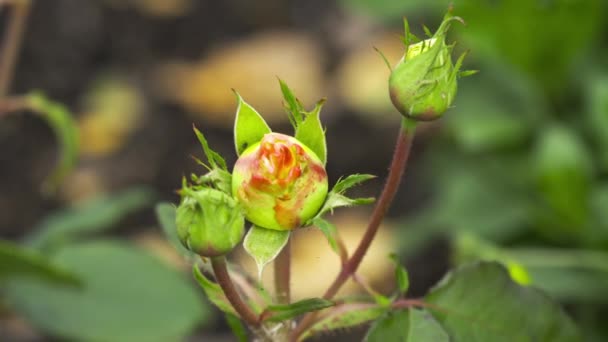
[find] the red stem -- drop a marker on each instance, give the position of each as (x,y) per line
(12,43)
(223,279)
(400,157)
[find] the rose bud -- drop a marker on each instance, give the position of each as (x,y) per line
(423,84)
(279,182)
(209,222)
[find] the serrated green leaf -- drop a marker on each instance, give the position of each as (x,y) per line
(406,325)
(401,275)
(479,302)
(214,158)
(344,184)
(331,234)
(288,311)
(66,131)
(237,327)
(345,316)
(249,126)
(129,295)
(335,200)
(165,214)
(310,132)
(16,261)
(213,291)
(292,105)
(91,217)
(263,245)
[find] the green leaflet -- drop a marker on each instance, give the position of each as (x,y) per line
(331,234)
(214,158)
(64,127)
(406,325)
(213,291)
(288,311)
(249,126)
(479,302)
(292,105)
(263,245)
(16,261)
(345,316)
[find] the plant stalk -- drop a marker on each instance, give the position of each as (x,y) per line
(222,277)
(397,167)
(12,43)
(282,274)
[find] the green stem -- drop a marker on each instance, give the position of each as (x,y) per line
(222,277)
(12,43)
(398,164)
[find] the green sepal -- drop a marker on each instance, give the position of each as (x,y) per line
(263,245)
(215,159)
(216,178)
(249,126)
(213,291)
(311,133)
(345,316)
(283,312)
(64,127)
(295,111)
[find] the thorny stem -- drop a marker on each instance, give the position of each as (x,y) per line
(223,279)
(397,167)
(12,43)
(282,274)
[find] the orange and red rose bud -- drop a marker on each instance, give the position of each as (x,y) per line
(279,182)
(209,221)
(423,84)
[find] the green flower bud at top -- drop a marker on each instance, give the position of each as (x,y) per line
(280,182)
(423,84)
(209,222)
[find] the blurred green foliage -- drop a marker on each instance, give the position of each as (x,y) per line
(117,291)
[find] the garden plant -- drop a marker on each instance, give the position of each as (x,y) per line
(279,184)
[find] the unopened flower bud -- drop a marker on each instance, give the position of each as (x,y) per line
(279,182)
(209,222)
(423,84)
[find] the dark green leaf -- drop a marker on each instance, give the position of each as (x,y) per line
(165,214)
(237,327)
(263,245)
(480,302)
(214,158)
(66,131)
(213,291)
(293,106)
(335,200)
(249,126)
(310,132)
(16,261)
(289,311)
(128,295)
(406,326)
(91,217)
(345,316)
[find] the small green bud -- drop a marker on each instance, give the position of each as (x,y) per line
(209,222)
(280,182)
(423,84)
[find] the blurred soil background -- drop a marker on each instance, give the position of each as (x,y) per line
(137,74)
